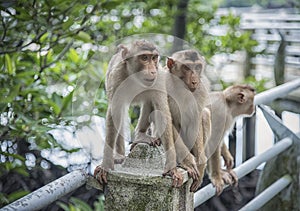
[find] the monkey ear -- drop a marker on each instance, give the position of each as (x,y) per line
(124,51)
(170,63)
(241,97)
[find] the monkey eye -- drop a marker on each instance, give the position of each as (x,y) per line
(198,67)
(185,68)
(144,57)
(155,57)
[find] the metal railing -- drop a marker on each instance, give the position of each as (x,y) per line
(266,97)
(209,191)
(49,193)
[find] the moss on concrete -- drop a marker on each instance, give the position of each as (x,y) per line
(138,184)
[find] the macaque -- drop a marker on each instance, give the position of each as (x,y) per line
(188,91)
(133,77)
(225,107)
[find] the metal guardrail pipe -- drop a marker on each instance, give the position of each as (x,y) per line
(276,92)
(209,191)
(49,193)
(265,196)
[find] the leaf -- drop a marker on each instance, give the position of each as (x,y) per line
(21,170)
(44,37)
(17,194)
(66,102)
(81,205)
(16,156)
(9,65)
(73,55)
(83,36)
(63,206)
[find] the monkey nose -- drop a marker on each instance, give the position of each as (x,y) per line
(153,72)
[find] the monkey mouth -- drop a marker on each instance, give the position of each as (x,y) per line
(149,79)
(192,89)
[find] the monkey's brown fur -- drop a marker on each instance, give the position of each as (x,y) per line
(225,106)
(134,69)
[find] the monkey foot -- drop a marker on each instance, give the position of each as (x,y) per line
(100,174)
(189,164)
(218,184)
(233,176)
(191,170)
(146,140)
(195,185)
(119,160)
(176,176)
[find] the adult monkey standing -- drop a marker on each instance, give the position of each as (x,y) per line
(191,120)
(133,77)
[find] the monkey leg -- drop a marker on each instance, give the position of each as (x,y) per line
(214,169)
(163,129)
(184,158)
(201,160)
(142,127)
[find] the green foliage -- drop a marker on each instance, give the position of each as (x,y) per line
(259,85)
(79,205)
(5,199)
(201,19)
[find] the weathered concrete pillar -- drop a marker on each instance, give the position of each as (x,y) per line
(138,184)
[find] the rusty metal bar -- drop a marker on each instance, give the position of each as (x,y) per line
(209,191)
(49,193)
(265,196)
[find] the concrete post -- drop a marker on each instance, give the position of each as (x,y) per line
(138,184)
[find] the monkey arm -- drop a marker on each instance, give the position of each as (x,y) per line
(198,151)
(100,171)
(228,159)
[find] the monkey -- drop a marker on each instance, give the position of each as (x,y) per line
(133,78)
(191,121)
(225,106)
(227,157)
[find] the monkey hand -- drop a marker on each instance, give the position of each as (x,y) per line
(234,177)
(189,164)
(229,162)
(100,174)
(176,177)
(218,183)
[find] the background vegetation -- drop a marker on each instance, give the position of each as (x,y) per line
(44,46)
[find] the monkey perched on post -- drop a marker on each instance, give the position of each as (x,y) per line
(189,88)
(133,76)
(225,107)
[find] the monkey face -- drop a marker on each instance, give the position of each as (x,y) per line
(148,66)
(188,66)
(190,74)
(142,60)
